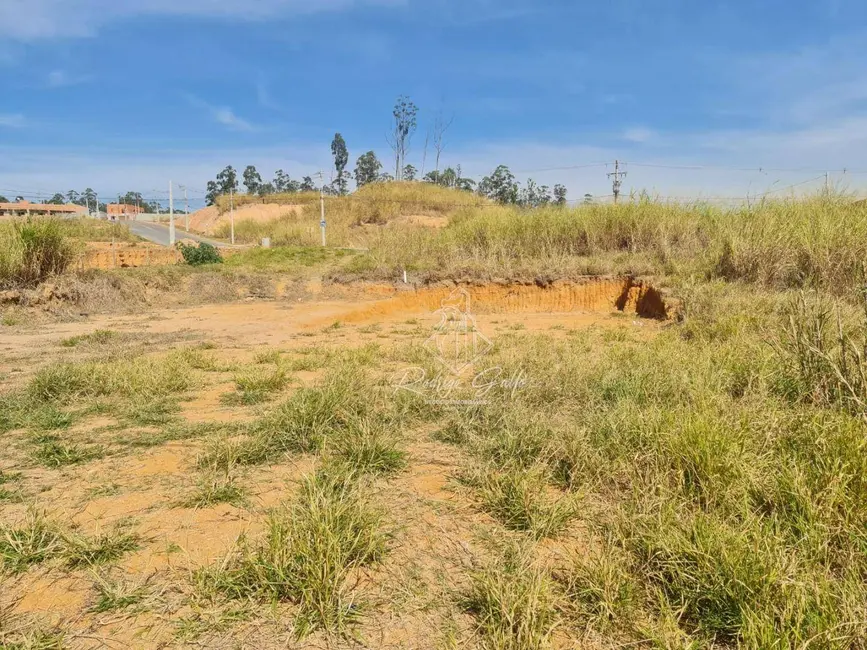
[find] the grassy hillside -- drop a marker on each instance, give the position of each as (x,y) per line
(819,241)
(375,204)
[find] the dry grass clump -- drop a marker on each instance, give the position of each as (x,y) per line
(67,381)
(520,500)
(308,554)
(513,601)
(38,539)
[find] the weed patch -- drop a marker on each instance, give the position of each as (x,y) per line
(308,553)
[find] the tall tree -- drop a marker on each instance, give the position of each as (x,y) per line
(367,169)
(409,173)
(341,158)
(252,180)
(281,181)
(265,189)
(405,114)
(560,194)
(500,186)
(307,185)
(227,180)
(534,196)
(213,191)
(72,196)
(57,199)
(3,199)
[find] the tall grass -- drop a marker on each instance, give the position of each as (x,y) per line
(723,509)
(33,251)
(827,358)
(818,241)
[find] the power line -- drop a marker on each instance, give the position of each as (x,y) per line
(760,169)
(559,169)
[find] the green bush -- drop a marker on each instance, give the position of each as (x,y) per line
(201,254)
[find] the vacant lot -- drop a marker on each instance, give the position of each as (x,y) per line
(537,461)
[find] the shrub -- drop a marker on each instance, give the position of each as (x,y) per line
(201,254)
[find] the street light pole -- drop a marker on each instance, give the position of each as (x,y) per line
(171,217)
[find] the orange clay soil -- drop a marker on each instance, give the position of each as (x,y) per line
(409,598)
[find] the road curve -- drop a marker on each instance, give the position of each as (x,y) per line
(159,234)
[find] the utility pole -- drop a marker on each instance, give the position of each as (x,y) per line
(232,213)
(171,217)
(186,209)
(322,207)
(827,184)
(617,182)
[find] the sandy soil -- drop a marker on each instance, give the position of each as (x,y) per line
(207,220)
(430,555)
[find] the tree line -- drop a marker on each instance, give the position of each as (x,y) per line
(500,185)
(88,199)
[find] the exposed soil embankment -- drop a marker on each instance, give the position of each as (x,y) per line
(593,294)
(124,257)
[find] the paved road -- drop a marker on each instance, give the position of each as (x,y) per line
(159,234)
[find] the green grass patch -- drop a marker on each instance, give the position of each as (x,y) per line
(309,552)
(35,541)
(513,603)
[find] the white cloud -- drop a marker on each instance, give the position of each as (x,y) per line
(223,115)
(12,121)
(227,117)
(62,79)
(33,20)
(263,95)
(639,134)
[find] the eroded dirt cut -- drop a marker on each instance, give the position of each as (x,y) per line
(592,295)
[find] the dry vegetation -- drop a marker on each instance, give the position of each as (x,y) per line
(693,484)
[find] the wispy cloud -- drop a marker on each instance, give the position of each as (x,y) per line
(639,134)
(227,117)
(224,115)
(33,20)
(12,121)
(263,95)
(62,79)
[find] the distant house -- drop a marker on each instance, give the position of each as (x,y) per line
(116,210)
(26,208)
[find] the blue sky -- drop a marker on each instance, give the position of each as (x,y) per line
(128,95)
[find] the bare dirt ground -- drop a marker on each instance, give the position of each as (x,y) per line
(141,486)
(207,220)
